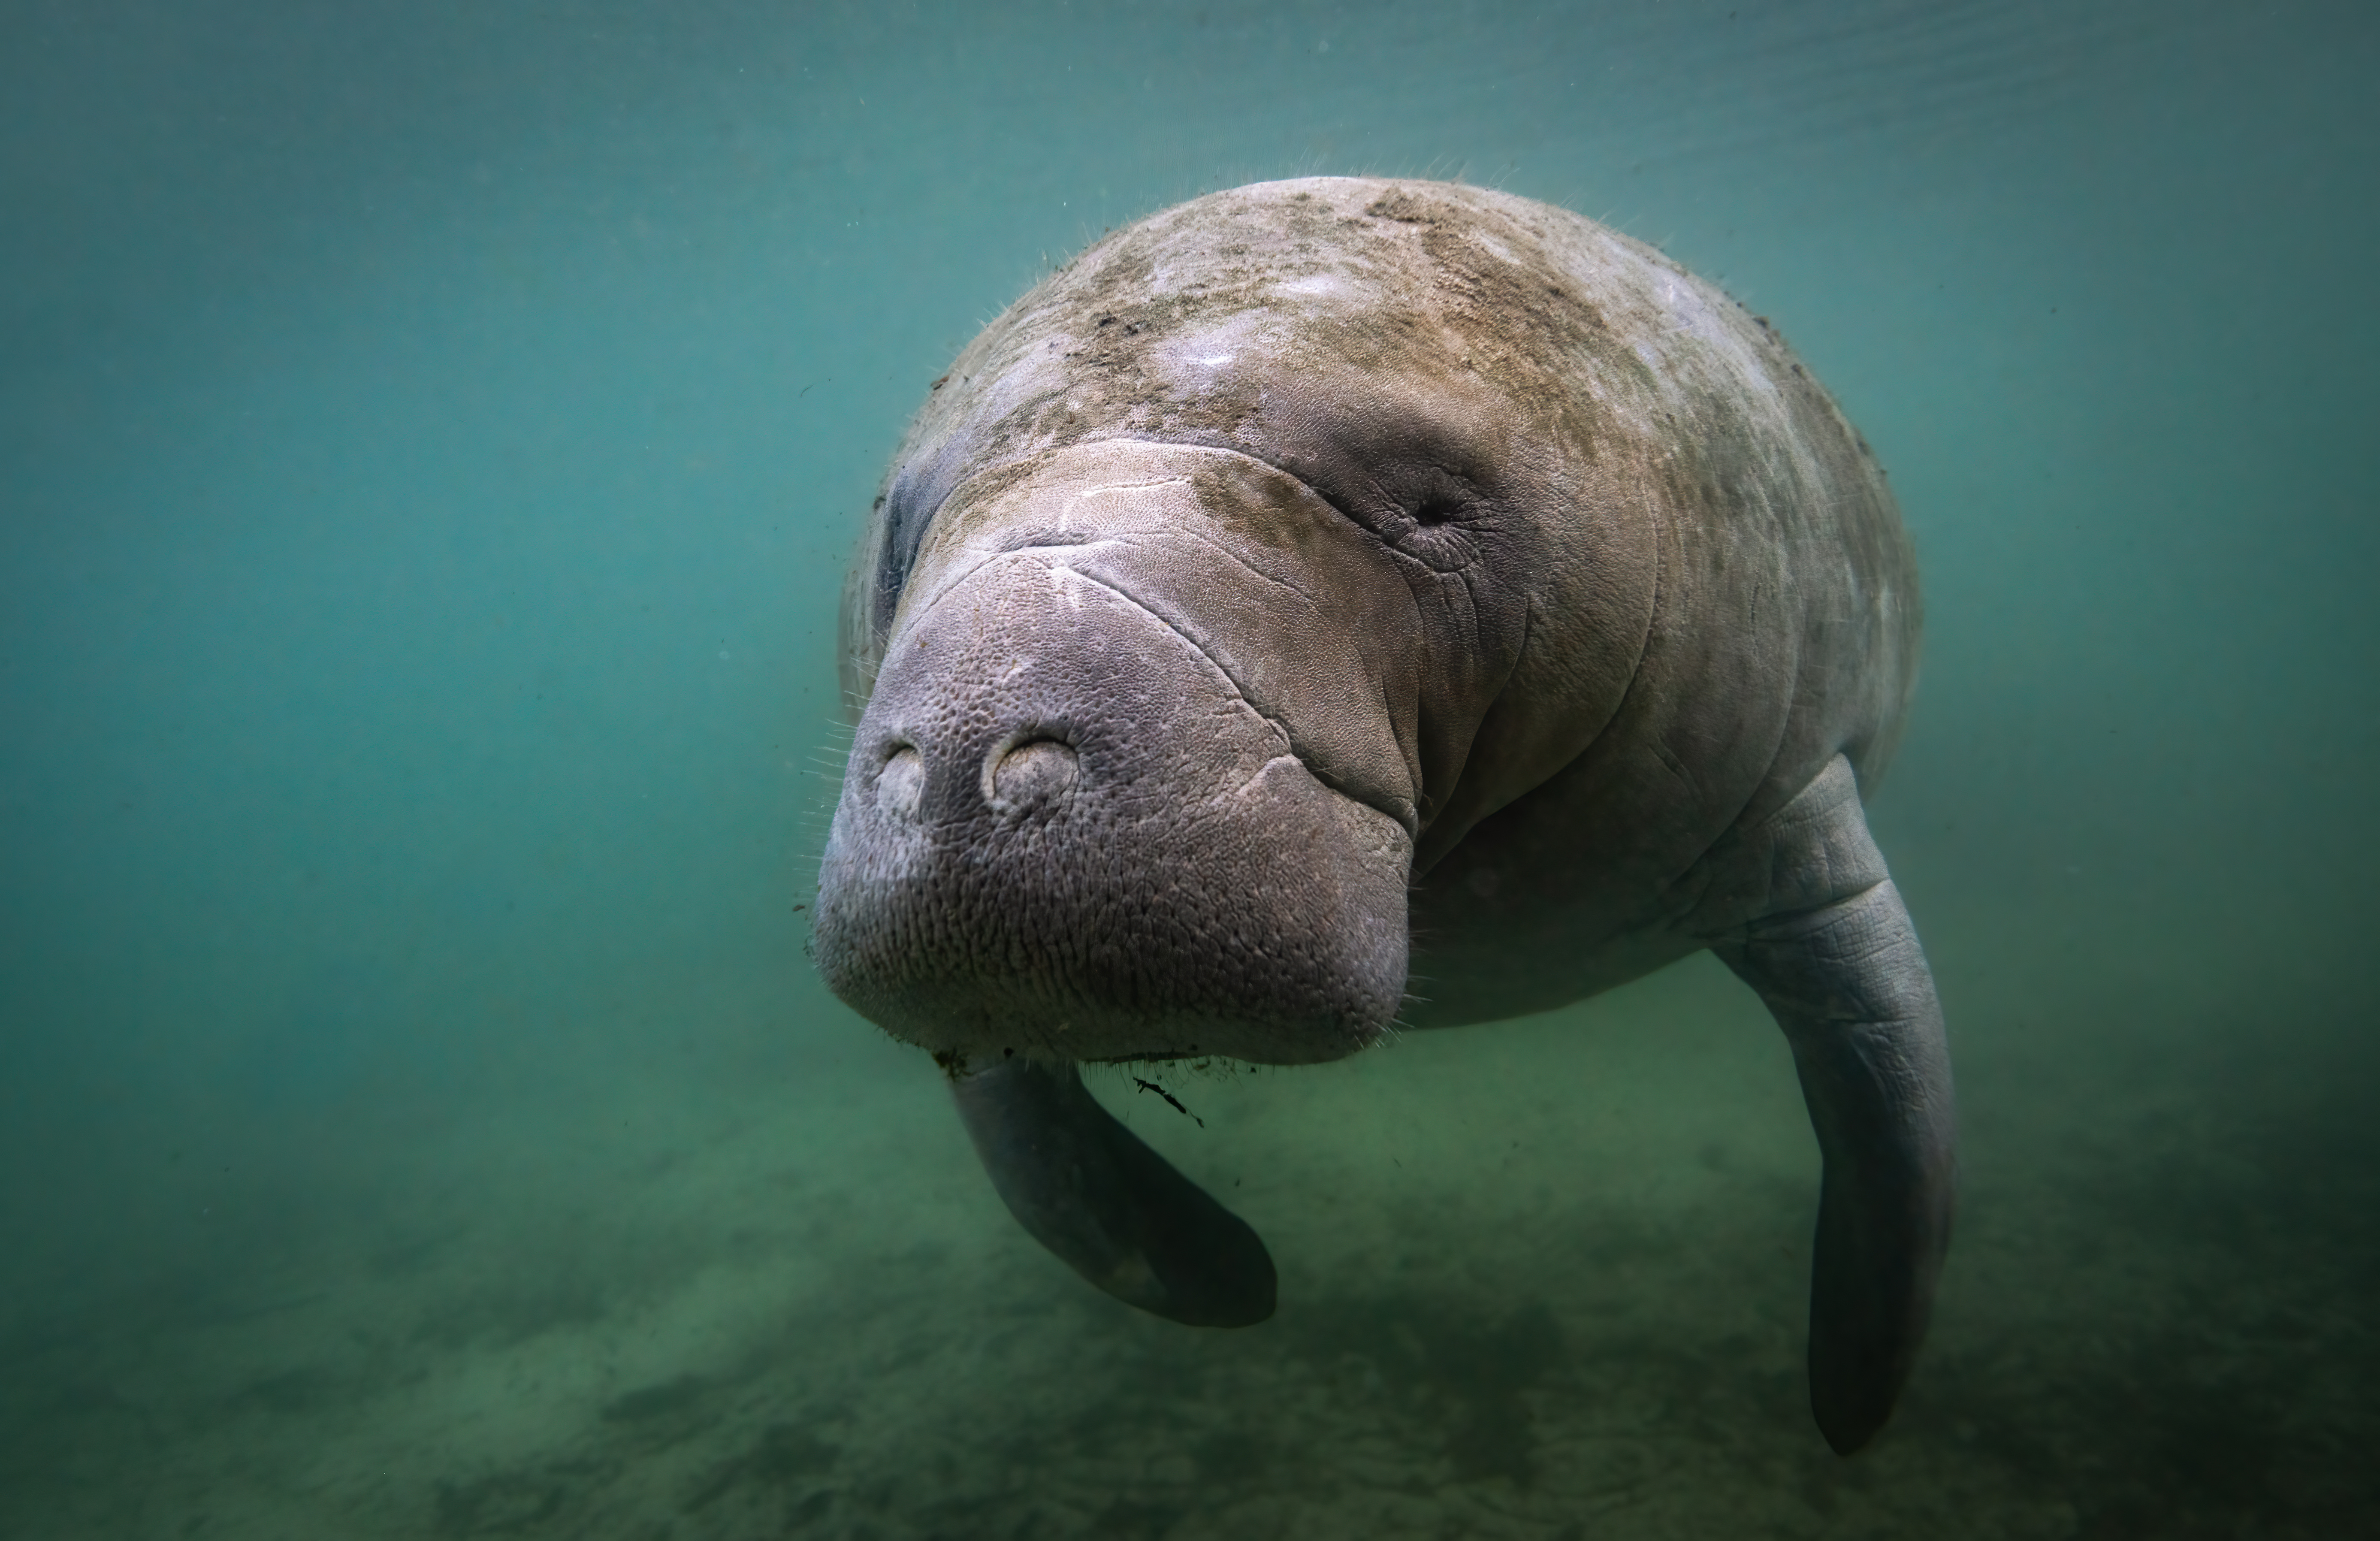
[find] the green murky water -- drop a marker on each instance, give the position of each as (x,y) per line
(430,440)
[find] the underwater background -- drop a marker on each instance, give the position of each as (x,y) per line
(432,436)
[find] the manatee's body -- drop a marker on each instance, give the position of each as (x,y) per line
(1330,583)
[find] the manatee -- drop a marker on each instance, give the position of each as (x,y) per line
(1341,602)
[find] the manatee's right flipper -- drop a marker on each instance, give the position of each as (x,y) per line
(1848,982)
(1088,1190)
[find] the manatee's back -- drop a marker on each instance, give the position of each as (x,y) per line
(1785,631)
(1780,540)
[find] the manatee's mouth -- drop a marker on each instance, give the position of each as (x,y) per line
(1067,832)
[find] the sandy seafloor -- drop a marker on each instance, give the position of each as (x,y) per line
(1540,1279)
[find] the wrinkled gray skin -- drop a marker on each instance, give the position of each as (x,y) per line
(1339,601)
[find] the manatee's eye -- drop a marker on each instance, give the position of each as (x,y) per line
(1445,526)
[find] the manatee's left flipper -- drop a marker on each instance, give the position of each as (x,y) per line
(1088,1190)
(1848,981)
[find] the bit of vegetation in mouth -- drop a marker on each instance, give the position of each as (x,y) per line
(1175,1101)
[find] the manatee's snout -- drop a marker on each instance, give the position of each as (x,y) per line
(1064,831)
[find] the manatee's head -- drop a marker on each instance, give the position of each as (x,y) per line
(1127,785)
(1193,624)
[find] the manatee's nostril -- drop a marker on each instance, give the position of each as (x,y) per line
(1033,771)
(901,784)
